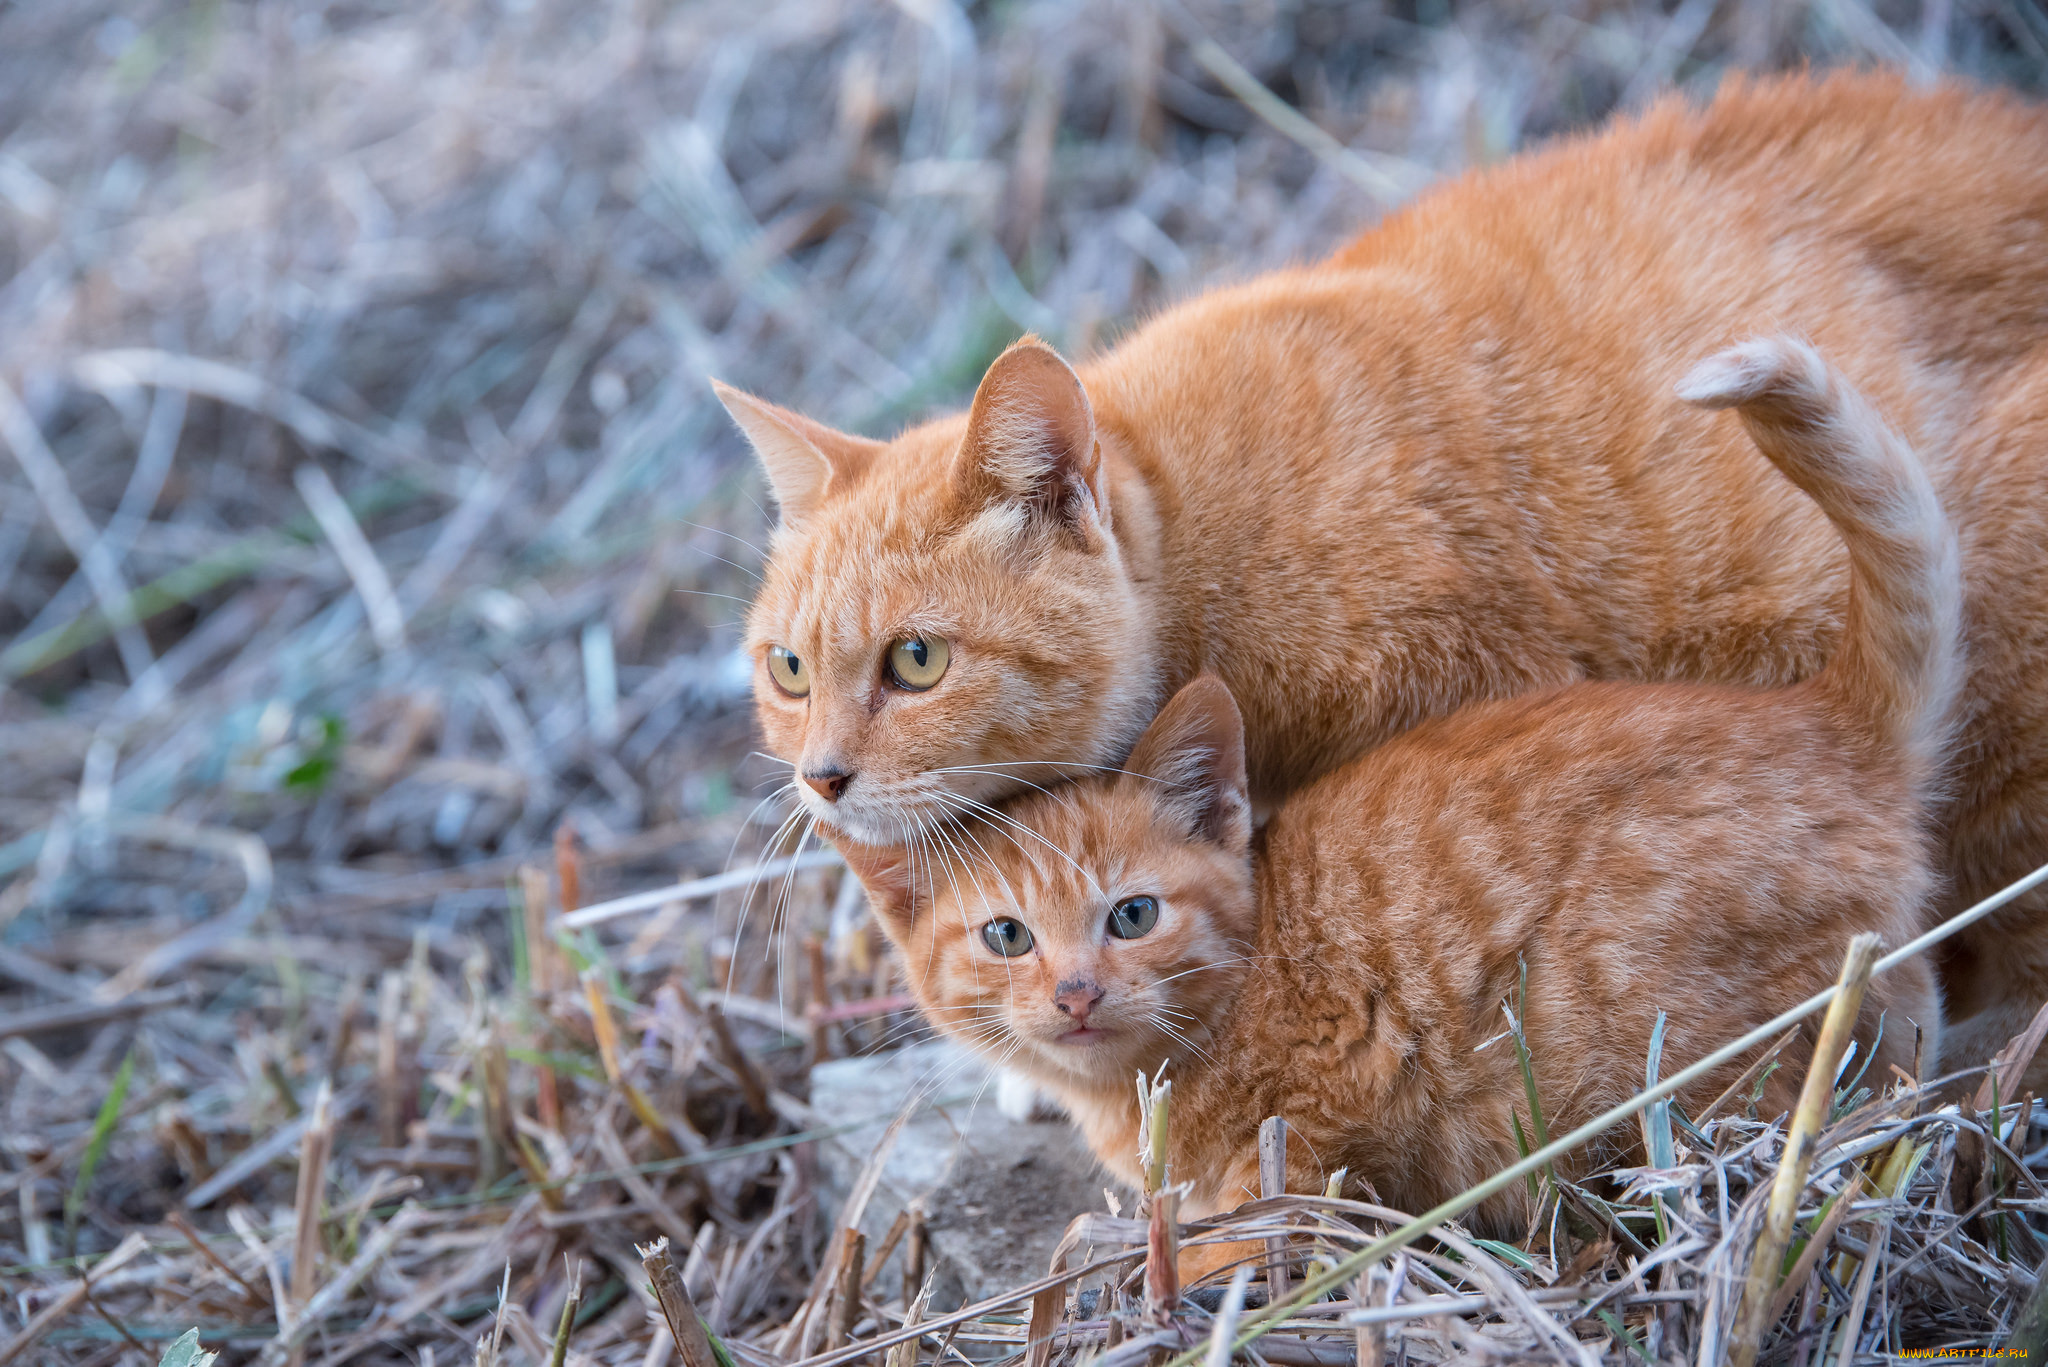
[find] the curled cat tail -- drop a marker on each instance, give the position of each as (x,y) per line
(1898,667)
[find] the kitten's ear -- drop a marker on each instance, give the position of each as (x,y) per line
(884,871)
(802,457)
(1192,757)
(1031,439)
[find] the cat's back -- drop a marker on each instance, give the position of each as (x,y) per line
(1596,812)
(1940,195)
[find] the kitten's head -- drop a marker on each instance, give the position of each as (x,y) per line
(945,616)
(1096,930)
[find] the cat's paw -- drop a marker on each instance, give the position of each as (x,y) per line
(1019,1098)
(1759,368)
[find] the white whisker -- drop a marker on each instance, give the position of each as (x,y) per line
(752,574)
(732,536)
(1041,763)
(982,808)
(1221,963)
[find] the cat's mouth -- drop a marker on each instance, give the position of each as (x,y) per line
(875,823)
(1081,1036)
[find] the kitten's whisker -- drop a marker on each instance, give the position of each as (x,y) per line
(999,1061)
(950,1069)
(1181,1037)
(1041,763)
(1221,963)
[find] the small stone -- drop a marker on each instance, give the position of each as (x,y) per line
(998,1193)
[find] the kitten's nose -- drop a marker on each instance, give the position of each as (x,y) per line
(828,782)
(1077,997)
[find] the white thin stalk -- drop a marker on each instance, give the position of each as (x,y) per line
(365,570)
(81,538)
(700,887)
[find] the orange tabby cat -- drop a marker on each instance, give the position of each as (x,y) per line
(1703,850)
(1441,467)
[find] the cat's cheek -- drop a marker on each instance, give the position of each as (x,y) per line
(782,720)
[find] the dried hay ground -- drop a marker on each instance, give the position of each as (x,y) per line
(369,554)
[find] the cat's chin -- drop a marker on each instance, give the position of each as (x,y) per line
(1092,1060)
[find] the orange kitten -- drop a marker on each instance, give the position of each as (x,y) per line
(1442,467)
(1705,851)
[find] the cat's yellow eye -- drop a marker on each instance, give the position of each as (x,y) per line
(918,662)
(1133,917)
(788,672)
(1007,937)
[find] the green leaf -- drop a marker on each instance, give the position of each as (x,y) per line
(1693,1134)
(1522,1054)
(96,1148)
(1798,1245)
(717,1346)
(1518,1019)
(1613,1321)
(1662,1151)
(1756,1091)
(310,775)
(186,1352)
(515,925)
(1522,1146)
(561,1063)
(1507,1253)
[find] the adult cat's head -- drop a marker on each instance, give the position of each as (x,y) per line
(947,616)
(1095,930)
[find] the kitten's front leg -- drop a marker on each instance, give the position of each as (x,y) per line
(1022,1100)
(1197,1261)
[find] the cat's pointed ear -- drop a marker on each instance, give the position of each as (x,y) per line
(1031,439)
(884,871)
(1192,757)
(802,458)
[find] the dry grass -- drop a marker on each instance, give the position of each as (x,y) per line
(1928,1265)
(367,523)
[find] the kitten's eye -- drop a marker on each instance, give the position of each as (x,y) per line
(1006,937)
(1133,917)
(788,672)
(919,662)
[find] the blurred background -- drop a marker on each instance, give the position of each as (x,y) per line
(368,532)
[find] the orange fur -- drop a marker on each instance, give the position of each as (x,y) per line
(1701,850)
(1442,467)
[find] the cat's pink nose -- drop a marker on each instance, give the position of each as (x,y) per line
(1077,997)
(828,782)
